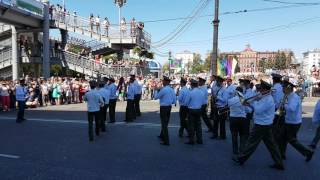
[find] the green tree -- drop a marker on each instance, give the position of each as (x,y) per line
(207,63)
(290,58)
(283,61)
(270,63)
(165,67)
(197,64)
(263,64)
(56,69)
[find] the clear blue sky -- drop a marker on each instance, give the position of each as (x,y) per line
(299,38)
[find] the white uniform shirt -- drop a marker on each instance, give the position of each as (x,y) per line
(316,114)
(204,90)
(105,94)
(94,100)
(293,109)
(195,98)
(277,94)
(236,108)
(264,110)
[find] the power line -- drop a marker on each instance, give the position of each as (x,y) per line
(183,26)
(297,3)
(257,32)
(237,12)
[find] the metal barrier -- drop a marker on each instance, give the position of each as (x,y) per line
(85,64)
(5,58)
(102,68)
(4,27)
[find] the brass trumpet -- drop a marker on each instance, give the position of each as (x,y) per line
(281,111)
(244,100)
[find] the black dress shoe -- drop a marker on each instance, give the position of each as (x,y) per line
(90,139)
(24,119)
(312,146)
(164,143)
(237,160)
(309,156)
(222,138)
(190,143)
(277,167)
(199,142)
(214,137)
(111,121)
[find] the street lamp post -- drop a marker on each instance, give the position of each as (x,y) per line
(120,4)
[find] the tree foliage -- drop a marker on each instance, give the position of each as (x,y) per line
(143,54)
(197,65)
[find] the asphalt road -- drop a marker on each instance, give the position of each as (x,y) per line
(53,144)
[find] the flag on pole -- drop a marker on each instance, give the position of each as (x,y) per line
(234,65)
(229,67)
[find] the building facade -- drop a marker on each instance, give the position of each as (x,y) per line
(249,60)
(186,58)
(311,61)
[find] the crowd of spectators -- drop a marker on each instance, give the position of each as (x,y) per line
(64,91)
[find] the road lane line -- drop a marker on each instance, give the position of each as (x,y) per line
(85,122)
(9,156)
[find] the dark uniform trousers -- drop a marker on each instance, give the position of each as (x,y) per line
(112,109)
(219,123)
(316,137)
(183,113)
(205,118)
(165,112)
(20,115)
(130,111)
(94,116)
(103,117)
(213,109)
(195,125)
(289,135)
(248,120)
(238,128)
(278,126)
(258,133)
(137,99)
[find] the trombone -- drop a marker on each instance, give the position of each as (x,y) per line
(244,100)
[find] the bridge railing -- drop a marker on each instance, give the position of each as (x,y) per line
(4,27)
(5,57)
(102,68)
(91,26)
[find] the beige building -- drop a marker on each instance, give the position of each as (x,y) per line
(186,58)
(249,59)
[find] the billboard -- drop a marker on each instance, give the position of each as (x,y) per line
(32,6)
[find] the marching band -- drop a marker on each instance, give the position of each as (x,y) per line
(267,111)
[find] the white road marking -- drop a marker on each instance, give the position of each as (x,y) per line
(85,122)
(9,156)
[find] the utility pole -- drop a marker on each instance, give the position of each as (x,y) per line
(215,39)
(170,63)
